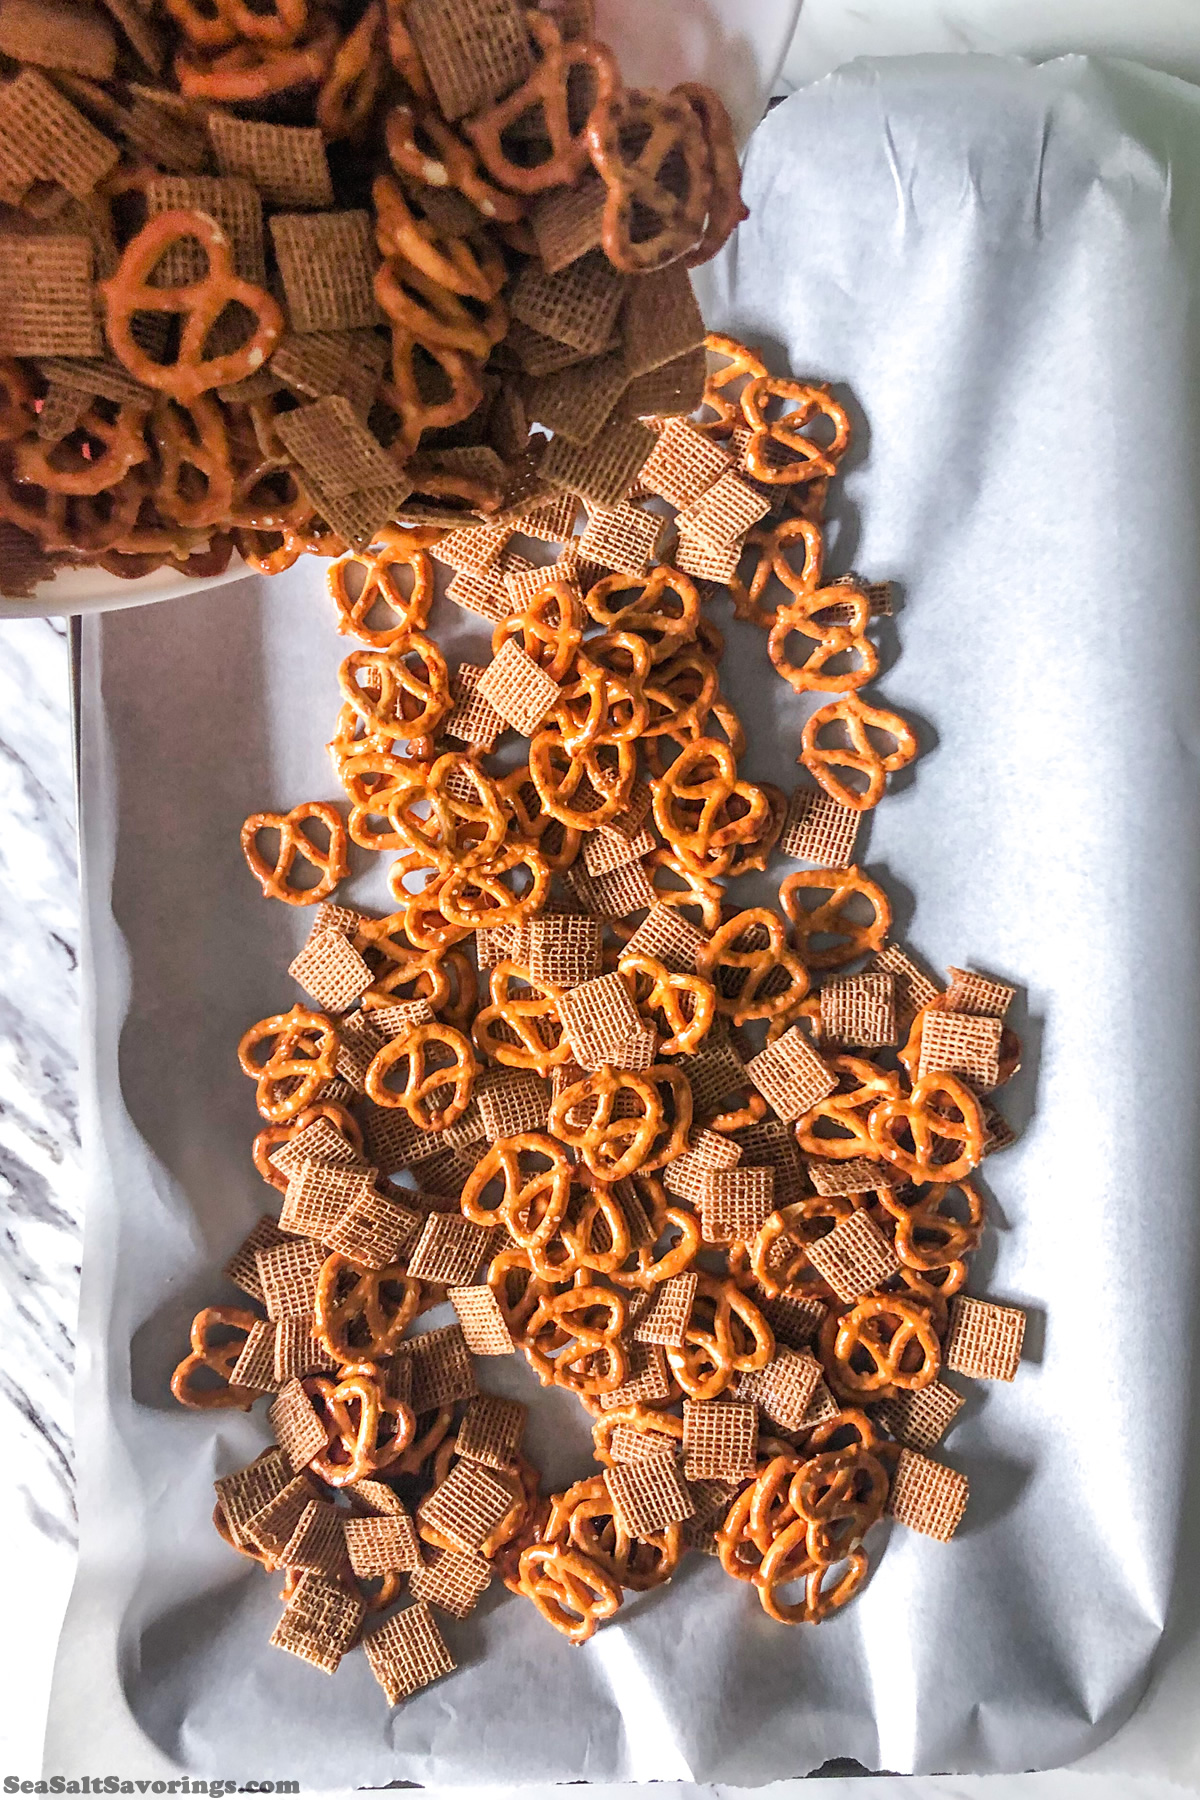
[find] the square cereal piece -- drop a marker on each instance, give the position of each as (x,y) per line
(472,720)
(398,1019)
(984,1340)
(857,1175)
(575,402)
(914,988)
(379,1499)
(255,1367)
(511,1101)
(288,1273)
(474,547)
(782,1154)
(298,1352)
(927,1496)
(563,949)
(859,1011)
(962,1044)
(660,322)
(665,1320)
(321,1143)
(270,1528)
(482,594)
(637,1052)
(824,1407)
(491,1430)
(669,937)
(719,1439)
(451,1582)
(920,1420)
(382,1546)
(605,850)
(468,1505)
(286,163)
(407,1652)
(795,1322)
(697,558)
(1000,1133)
(522,584)
(358,1045)
(358,517)
(44,138)
(685,1176)
(318,1195)
(972,993)
(449,1250)
(675,387)
(237,209)
(784,1389)
(474,52)
(320,1622)
(315,364)
(374,1230)
(724,512)
(648,1494)
(790,1075)
(621,537)
(818,830)
(683,464)
(298,1431)
(602,472)
(627,1444)
(482,1321)
(391,1138)
(641,1231)
(551,521)
(327,265)
(442,1368)
(855,1257)
(648,1379)
(318,1542)
(565,222)
(598,1018)
(242,1267)
(613,896)
(326,437)
(713,1073)
(577,305)
(735,1202)
(521,692)
(47,301)
(247,1490)
(58,36)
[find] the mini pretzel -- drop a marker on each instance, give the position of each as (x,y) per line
(557,844)
(605,704)
(272,1136)
(884,1345)
(398,698)
(833,918)
(571,1592)
(663,607)
(861,1085)
(424,147)
(808,458)
(930,1237)
(297,1065)
(614,1143)
(217,26)
(368,1427)
(363,1313)
(680,1007)
(356,75)
(725,1334)
(703,810)
(425,1078)
(857,719)
(739,366)
(377,582)
(428,811)
(726,209)
(193,440)
(649,149)
(498,896)
(248,73)
(434,313)
(550,94)
(573,1340)
(112,447)
(531,1204)
(650,1265)
(828,642)
(918,1133)
(779,1253)
(766,981)
(839,1495)
(584,1517)
(219,1359)
(413,364)
(584,787)
(549,628)
(474,269)
(201,303)
(674,884)
(294,841)
(530,1018)
(773,547)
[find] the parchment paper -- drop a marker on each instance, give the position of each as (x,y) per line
(995,265)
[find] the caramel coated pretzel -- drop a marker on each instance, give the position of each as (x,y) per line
(681,1008)
(532,1203)
(424,1078)
(548,92)
(362,1314)
(331,864)
(767,981)
(882,1346)
(201,304)
(833,918)
(571,1592)
(939,1114)
(650,151)
(806,459)
(218,1359)
(857,719)
(378,570)
(299,1062)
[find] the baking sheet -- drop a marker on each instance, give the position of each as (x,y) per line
(993,263)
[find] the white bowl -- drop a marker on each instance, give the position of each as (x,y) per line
(736,46)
